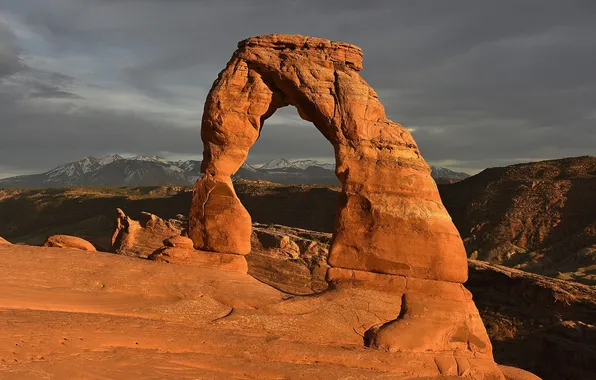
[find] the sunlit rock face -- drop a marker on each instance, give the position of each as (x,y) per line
(392,232)
(391,219)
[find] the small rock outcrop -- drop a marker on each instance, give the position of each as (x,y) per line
(178,242)
(154,238)
(4,241)
(391,231)
(141,238)
(190,256)
(65,241)
(293,260)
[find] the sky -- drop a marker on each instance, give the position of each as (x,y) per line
(478,83)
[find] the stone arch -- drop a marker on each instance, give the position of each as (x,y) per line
(390,218)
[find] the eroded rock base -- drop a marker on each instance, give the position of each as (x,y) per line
(435,317)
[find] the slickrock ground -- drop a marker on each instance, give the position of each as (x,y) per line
(539,217)
(66,314)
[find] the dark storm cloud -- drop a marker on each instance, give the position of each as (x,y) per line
(60,135)
(9,54)
(479,83)
(34,83)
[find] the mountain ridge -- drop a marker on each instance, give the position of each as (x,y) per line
(141,170)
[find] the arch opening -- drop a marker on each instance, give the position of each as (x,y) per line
(285,135)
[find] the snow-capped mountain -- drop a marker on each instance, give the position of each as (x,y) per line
(115,170)
(72,172)
(276,163)
(248,167)
(282,163)
(151,159)
(109,159)
(304,164)
(448,174)
(112,170)
(189,165)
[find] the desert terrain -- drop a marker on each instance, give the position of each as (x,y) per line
(537,323)
(102,316)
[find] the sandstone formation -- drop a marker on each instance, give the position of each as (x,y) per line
(388,194)
(141,238)
(293,260)
(391,226)
(230,229)
(539,217)
(65,241)
(178,242)
(189,256)
(4,241)
(544,325)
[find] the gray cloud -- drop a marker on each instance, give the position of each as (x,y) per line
(9,54)
(59,135)
(479,83)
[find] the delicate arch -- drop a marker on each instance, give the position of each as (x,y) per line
(390,218)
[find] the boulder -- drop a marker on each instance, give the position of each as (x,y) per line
(188,256)
(141,238)
(178,242)
(65,241)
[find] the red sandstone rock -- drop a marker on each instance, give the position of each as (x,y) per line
(218,222)
(338,277)
(143,237)
(65,241)
(221,261)
(435,316)
(178,242)
(391,219)
(293,260)
(392,232)
(4,241)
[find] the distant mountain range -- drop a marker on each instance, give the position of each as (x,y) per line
(153,170)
